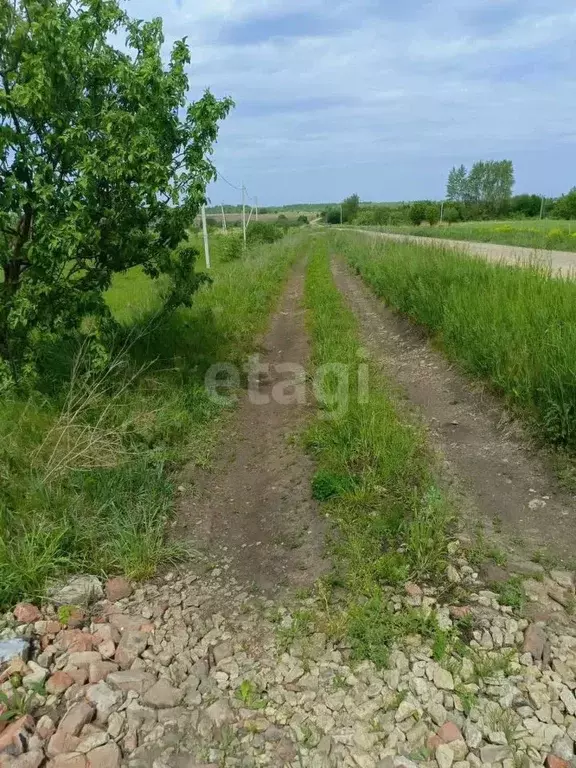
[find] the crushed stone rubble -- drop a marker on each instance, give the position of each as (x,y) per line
(197,672)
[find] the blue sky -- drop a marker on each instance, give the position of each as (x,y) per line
(381,98)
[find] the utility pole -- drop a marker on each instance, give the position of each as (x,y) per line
(542,208)
(256,199)
(223,218)
(205,233)
(341,222)
(244,213)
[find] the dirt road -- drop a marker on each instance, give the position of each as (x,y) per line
(562,262)
(255,506)
(502,483)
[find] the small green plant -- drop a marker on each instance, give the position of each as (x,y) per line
(544,558)
(299,628)
(65,613)
(489,664)
(440,644)
(511,593)
(233,247)
(396,700)
(249,696)
(339,683)
(483,550)
(505,721)
(374,627)
(468,698)
(327,484)
(17,704)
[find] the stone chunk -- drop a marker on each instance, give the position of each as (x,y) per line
(76,717)
(444,756)
(556,762)
(534,641)
(75,641)
(14,739)
(100,670)
(223,651)
(104,699)
(219,713)
(62,743)
(132,644)
(26,613)
(81,591)
(131,680)
(69,760)
(107,756)
(494,753)
(449,732)
(83,659)
(163,695)
(59,682)
(443,679)
(568,700)
(118,589)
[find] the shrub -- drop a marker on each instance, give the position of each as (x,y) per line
(263,232)
(451,214)
(432,214)
(333,216)
(418,213)
(233,246)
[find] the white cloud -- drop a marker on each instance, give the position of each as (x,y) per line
(419,85)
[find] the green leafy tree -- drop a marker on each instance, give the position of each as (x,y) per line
(565,207)
(418,212)
(350,208)
(528,206)
(432,214)
(103,165)
(451,214)
(488,186)
(333,216)
(456,186)
(474,183)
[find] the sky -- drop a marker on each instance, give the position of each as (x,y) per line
(380,98)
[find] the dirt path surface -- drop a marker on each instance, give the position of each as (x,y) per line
(194,670)
(255,504)
(563,262)
(502,483)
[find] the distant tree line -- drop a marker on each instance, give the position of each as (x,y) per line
(483,192)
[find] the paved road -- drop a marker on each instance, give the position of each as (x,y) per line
(563,262)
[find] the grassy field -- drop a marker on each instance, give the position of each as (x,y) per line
(548,234)
(272,218)
(511,326)
(374,477)
(86,468)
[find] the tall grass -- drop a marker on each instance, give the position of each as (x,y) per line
(86,468)
(512,326)
(374,475)
(547,234)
